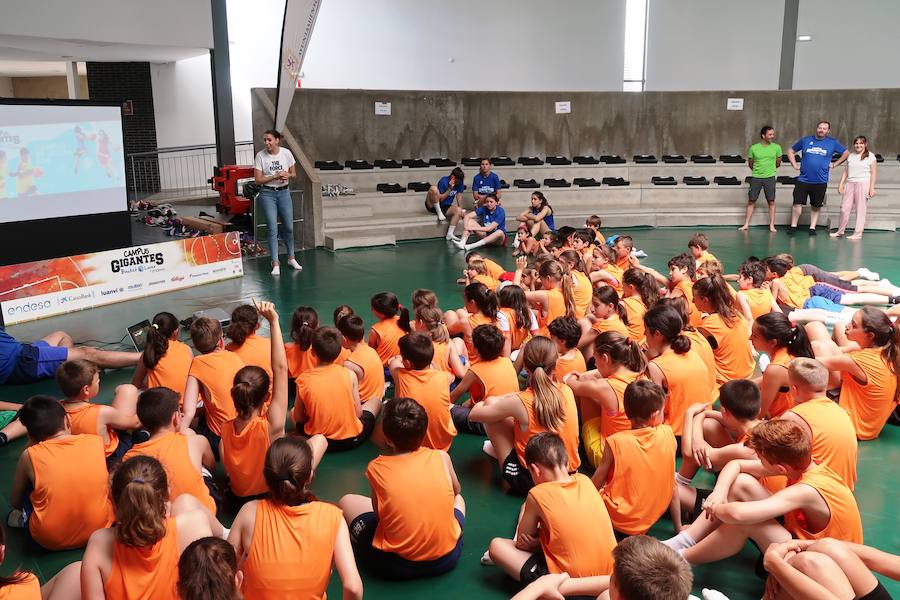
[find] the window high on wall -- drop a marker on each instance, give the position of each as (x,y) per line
(635,45)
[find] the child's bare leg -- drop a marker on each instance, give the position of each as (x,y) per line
(65,585)
(106,359)
(459,504)
(728,540)
(59,338)
(185,503)
(354,505)
(318,444)
(459,346)
(865,298)
(501,436)
(126,398)
(14,430)
(858,574)
(505,555)
(373,406)
(452,320)
(823,570)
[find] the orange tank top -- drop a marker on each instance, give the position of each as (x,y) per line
(833,437)
(686,383)
(173,368)
(420,526)
(581,295)
(216,371)
(326,395)
(556,307)
(83,419)
(700,346)
(255,351)
(784,399)
(431,389)
(610,424)
(474,321)
(244,455)
(517,335)
(734,359)
(70,499)
(612,323)
(797,285)
(27,589)
(145,573)
(845,523)
(493,269)
(576,534)
(285,537)
(389,334)
(617,272)
(647,456)
(623,263)
(869,404)
(573,364)
(372,384)
(171,450)
(635,310)
(568,431)
(488,281)
(759,300)
(494,378)
(687,288)
(441,360)
(299,361)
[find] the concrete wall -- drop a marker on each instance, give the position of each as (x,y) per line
(341,124)
(6,87)
(45,87)
(183,119)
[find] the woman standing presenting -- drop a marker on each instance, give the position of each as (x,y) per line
(273,168)
(857,186)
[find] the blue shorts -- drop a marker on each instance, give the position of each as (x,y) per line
(827,292)
(823,303)
(38,360)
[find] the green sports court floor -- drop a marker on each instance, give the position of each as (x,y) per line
(351,277)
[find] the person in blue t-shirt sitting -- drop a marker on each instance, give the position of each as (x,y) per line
(487,222)
(815,167)
(485,182)
(445,199)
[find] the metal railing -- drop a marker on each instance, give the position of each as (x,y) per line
(178,173)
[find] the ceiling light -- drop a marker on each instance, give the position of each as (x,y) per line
(804,38)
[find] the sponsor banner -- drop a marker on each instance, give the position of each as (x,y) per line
(299,21)
(45,288)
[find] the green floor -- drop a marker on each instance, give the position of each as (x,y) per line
(352,277)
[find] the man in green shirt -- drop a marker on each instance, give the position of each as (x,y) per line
(763,158)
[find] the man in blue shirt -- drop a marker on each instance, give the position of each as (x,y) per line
(445,200)
(487,222)
(485,182)
(815,167)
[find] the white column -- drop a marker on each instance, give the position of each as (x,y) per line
(72,81)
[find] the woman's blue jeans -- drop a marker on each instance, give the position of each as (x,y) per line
(277,204)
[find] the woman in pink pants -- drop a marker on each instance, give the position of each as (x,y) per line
(857,186)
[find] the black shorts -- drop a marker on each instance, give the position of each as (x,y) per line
(534,567)
(460,416)
(389,565)
(762,184)
(516,475)
(444,208)
(879,593)
(814,191)
(368,422)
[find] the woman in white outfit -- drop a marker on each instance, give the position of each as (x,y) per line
(273,169)
(857,186)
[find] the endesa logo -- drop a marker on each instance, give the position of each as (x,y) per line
(74,297)
(29,307)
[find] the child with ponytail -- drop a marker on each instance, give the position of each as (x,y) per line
(545,405)
(138,557)
(522,321)
(555,298)
(166,361)
(699,343)
(582,287)
(393,324)
(253,349)
(774,334)
(600,393)
(725,328)
(290,541)
(607,314)
(449,353)
(639,293)
(481,308)
(300,356)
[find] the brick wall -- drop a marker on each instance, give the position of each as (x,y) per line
(119,82)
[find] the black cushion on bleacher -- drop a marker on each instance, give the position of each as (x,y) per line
(504,185)
(835,156)
(703,159)
(656,180)
(674,159)
(784,159)
(556,183)
(558,160)
(615,181)
(731,159)
(502,161)
(441,162)
(879,158)
(329,165)
(585,182)
(414,163)
(612,159)
(590,160)
(786,179)
(390,188)
(356,165)
(530,161)
(388,163)
(720,180)
(471,161)
(525,183)
(645,159)
(418,186)
(688,180)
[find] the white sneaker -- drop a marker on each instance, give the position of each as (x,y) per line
(639,254)
(440,217)
(292,262)
(459,244)
(486,559)
(867,274)
(488,448)
(276,270)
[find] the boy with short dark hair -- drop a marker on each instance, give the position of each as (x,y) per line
(565,333)
(754,299)
(363,360)
(623,246)
(594,223)
(396,533)
(698,246)
(328,401)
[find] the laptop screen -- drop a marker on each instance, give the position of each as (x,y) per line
(138,335)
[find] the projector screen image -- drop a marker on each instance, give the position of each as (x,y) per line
(60,161)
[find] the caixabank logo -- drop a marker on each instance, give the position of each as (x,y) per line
(137,260)
(74,297)
(27,307)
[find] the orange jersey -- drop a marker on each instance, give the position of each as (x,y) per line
(612,323)
(431,389)
(686,287)
(27,589)
(568,431)
(581,293)
(610,423)
(215,372)
(149,573)
(617,272)
(441,360)
(171,450)
(326,395)
(734,359)
(244,455)
(70,499)
(623,263)
(495,378)
(845,523)
(83,419)
(517,335)
(639,486)
(700,346)
(285,537)
(299,361)
(576,534)
(556,307)
(493,269)
(797,285)
(474,321)
(372,384)
(255,351)
(635,310)
(759,300)
(572,364)
(869,404)
(173,368)
(784,399)
(686,383)
(833,437)
(418,526)
(389,334)
(488,281)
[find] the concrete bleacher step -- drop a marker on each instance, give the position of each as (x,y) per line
(358,239)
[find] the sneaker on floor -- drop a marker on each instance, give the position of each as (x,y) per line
(440,218)
(276,270)
(459,244)
(867,274)
(486,559)
(792,229)
(453,238)
(292,262)
(488,448)
(639,254)
(812,231)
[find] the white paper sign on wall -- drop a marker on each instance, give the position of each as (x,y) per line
(735,104)
(383,108)
(563,108)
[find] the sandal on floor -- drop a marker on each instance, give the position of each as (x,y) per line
(836,235)
(855,237)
